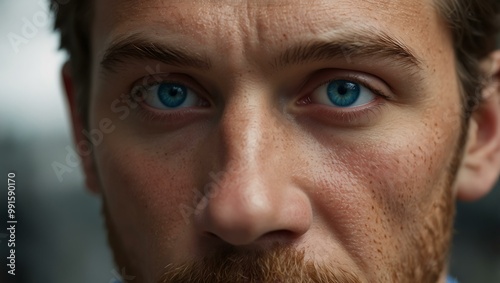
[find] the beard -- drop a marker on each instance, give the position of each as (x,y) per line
(278,264)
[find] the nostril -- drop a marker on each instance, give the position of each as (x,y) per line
(279,236)
(211,235)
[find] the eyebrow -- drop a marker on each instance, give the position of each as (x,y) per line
(136,47)
(347,45)
(350,46)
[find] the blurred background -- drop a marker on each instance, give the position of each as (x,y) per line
(60,234)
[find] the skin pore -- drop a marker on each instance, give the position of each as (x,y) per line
(259,178)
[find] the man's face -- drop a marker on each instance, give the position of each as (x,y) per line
(268,140)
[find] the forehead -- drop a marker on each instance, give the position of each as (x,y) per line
(222,25)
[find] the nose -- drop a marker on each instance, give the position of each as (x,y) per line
(253,197)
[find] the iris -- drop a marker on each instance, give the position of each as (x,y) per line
(172,95)
(343,93)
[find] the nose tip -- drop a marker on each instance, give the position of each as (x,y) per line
(246,213)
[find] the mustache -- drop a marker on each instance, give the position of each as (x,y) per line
(277,265)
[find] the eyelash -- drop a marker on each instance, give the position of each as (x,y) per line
(353,114)
(149,114)
(165,116)
(357,79)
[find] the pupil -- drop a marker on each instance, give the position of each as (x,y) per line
(342,90)
(174,91)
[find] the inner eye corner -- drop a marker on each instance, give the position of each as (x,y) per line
(139,93)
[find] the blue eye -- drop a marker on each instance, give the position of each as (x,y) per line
(172,95)
(169,96)
(342,94)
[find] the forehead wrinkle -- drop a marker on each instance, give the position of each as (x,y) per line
(280,17)
(305,24)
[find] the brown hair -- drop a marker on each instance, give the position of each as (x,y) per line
(473,23)
(73,19)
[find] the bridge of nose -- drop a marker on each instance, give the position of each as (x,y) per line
(257,196)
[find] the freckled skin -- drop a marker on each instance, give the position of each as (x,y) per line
(374,200)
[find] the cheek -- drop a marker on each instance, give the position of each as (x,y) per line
(377,194)
(406,166)
(145,184)
(402,181)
